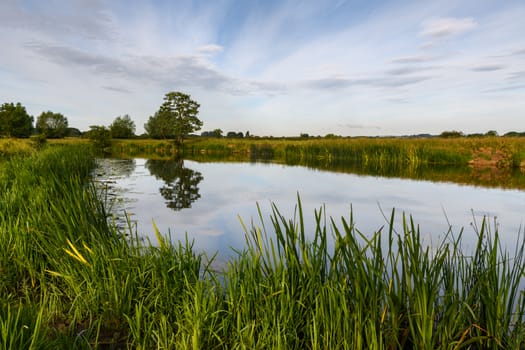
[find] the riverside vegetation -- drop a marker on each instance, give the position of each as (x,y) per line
(502,152)
(69,278)
(484,161)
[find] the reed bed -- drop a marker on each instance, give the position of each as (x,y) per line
(69,278)
(500,152)
(10,147)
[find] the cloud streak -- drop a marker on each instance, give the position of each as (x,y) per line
(447,27)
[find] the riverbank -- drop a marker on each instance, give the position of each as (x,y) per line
(70,279)
(500,152)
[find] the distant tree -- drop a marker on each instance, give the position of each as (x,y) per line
(332,136)
(73,132)
(514,134)
(14,121)
(491,133)
(122,127)
(451,134)
(52,125)
(234,134)
(176,118)
(304,136)
(100,136)
(217,133)
(247,134)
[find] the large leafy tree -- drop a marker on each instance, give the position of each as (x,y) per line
(14,121)
(53,125)
(176,118)
(122,127)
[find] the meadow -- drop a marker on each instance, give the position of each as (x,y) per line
(70,279)
(501,152)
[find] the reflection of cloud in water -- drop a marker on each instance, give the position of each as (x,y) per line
(229,190)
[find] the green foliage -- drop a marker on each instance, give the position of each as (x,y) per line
(451,134)
(176,118)
(100,136)
(122,127)
(214,133)
(235,134)
(14,121)
(38,140)
(69,279)
(10,147)
(52,125)
(73,132)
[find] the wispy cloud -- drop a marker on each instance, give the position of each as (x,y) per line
(407,70)
(446,27)
(67,56)
(518,52)
(210,49)
(489,68)
(412,59)
(54,18)
(117,89)
(377,82)
(359,126)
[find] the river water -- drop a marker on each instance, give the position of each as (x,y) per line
(206,201)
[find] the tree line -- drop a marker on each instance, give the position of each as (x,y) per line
(175,119)
(16,122)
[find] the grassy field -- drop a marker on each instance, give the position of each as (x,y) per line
(502,152)
(14,147)
(69,279)
(497,152)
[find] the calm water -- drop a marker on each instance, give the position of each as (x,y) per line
(206,200)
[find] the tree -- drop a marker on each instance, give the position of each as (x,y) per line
(176,118)
(100,136)
(234,134)
(73,132)
(14,121)
(122,127)
(451,134)
(214,133)
(52,125)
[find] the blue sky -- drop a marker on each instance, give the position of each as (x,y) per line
(272,67)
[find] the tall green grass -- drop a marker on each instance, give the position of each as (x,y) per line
(504,151)
(10,147)
(70,279)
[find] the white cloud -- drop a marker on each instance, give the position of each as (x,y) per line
(210,49)
(447,27)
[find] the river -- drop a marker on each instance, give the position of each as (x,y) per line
(205,201)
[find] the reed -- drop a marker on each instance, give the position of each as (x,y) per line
(10,147)
(69,278)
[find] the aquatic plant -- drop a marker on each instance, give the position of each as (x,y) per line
(70,278)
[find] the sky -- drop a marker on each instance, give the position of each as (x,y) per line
(272,67)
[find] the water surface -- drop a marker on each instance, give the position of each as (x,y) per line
(205,201)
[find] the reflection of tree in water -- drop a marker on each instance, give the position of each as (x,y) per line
(182,184)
